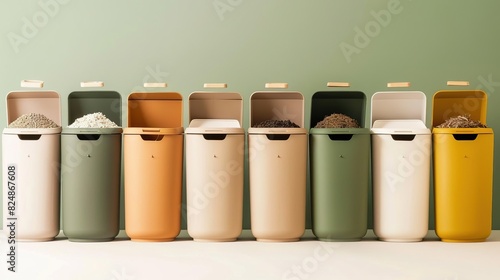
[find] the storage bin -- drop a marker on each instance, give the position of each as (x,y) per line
(277,167)
(463,168)
(401,146)
(34,154)
(340,168)
(91,165)
(214,166)
(153,156)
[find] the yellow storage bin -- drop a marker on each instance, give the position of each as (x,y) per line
(463,168)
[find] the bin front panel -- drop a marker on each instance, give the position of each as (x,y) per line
(400,172)
(463,185)
(277,186)
(37,188)
(340,180)
(214,186)
(90,181)
(153,186)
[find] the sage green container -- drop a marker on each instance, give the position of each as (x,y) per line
(90,169)
(339,168)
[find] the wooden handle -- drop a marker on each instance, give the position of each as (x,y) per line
(276,85)
(338,84)
(92,84)
(457,83)
(215,85)
(31,84)
(398,84)
(155,85)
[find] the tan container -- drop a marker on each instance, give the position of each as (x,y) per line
(214,166)
(31,159)
(278,166)
(153,154)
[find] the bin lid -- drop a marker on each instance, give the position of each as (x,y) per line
(349,103)
(216,105)
(277,105)
(81,103)
(44,102)
(400,127)
(398,105)
(155,109)
(452,103)
(41,102)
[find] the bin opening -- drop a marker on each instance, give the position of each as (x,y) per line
(151,137)
(88,137)
(403,137)
(465,137)
(214,136)
(278,137)
(29,137)
(340,137)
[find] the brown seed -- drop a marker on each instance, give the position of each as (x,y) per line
(463,121)
(337,121)
(276,123)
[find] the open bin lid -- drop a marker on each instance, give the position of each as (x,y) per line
(452,103)
(398,112)
(41,102)
(81,103)
(154,113)
(349,103)
(215,113)
(276,105)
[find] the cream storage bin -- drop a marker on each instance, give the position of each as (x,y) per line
(31,157)
(214,166)
(277,166)
(401,152)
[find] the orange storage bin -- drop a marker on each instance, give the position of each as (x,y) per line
(153,158)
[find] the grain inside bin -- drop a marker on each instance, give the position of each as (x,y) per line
(276,123)
(463,121)
(337,121)
(33,120)
(94,120)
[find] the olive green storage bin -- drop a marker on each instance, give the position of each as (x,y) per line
(91,165)
(339,168)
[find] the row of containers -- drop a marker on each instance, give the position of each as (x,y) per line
(393,156)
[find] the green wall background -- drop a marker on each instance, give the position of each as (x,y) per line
(248,43)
